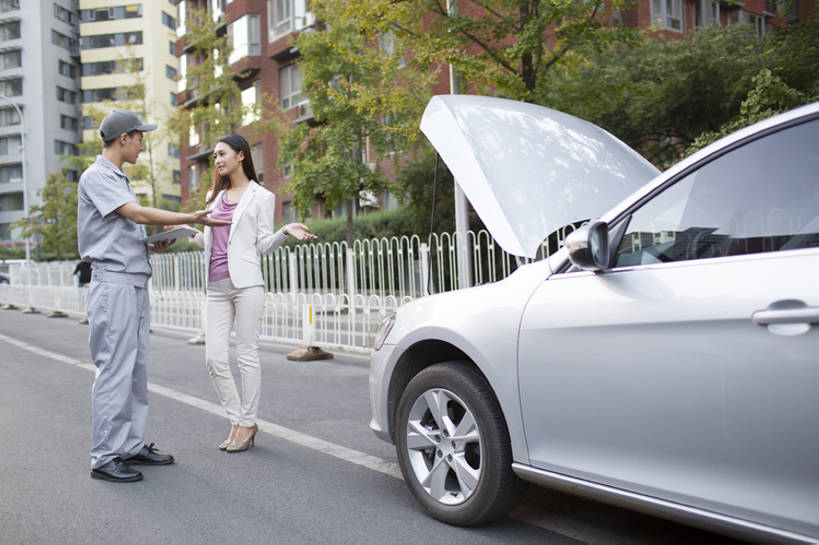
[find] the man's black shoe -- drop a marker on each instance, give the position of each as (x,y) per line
(150,456)
(117,472)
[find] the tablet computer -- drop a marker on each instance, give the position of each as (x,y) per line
(173,234)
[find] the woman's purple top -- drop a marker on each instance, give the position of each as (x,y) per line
(219,247)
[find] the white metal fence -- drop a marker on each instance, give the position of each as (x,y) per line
(327,294)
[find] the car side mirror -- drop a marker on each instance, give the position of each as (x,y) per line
(589,246)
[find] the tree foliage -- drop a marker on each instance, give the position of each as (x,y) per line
(215,106)
(362,94)
(504,47)
(55,220)
(661,96)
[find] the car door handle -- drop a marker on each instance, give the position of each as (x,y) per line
(787,311)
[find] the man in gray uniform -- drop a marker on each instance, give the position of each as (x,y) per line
(111,236)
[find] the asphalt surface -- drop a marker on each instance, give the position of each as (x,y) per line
(316,475)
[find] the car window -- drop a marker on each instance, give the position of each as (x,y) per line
(761,197)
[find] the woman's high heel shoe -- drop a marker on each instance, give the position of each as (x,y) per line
(251,441)
(227,442)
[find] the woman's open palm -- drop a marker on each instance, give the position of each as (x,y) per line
(299,231)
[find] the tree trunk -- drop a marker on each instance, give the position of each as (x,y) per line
(527,61)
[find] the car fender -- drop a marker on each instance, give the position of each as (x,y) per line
(482,325)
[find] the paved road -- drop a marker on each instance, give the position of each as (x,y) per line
(317,475)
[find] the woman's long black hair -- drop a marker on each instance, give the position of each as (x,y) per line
(237,143)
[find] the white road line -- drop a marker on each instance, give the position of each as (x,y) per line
(528,514)
(337,451)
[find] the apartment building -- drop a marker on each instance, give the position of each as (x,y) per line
(39,74)
(261,32)
(111,33)
(676,18)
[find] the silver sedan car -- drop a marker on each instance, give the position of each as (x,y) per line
(666,359)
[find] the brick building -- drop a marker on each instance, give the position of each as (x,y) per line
(261,32)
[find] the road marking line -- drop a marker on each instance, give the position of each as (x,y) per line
(552,522)
(337,451)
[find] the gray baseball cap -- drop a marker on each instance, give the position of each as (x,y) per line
(121,122)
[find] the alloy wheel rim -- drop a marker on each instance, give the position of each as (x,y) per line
(444,446)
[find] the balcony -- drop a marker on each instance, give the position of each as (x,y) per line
(286,16)
(243,34)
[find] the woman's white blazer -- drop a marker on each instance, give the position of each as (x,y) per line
(251,233)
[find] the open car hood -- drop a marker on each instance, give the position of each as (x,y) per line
(529,170)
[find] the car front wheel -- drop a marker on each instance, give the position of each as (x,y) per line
(453,446)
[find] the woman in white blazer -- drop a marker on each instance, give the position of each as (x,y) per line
(235,287)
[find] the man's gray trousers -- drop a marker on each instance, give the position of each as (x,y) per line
(119,318)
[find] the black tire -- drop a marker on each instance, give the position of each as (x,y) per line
(498,489)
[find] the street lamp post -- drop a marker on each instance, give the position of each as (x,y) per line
(461,206)
(24,168)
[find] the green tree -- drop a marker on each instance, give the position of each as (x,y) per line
(769,97)
(505,47)
(363,94)
(661,96)
(55,220)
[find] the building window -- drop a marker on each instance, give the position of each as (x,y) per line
(217,8)
(69,123)
(8,5)
(287,171)
(64,15)
(193,136)
(170,72)
(386,43)
(61,40)
(177,177)
(9,117)
(11,202)
(168,21)
(172,198)
(173,151)
(66,69)
(11,174)
(64,148)
(706,13)
(287,16)
(667,14)
(10,144)
(10,59)
(193,178)
(243,34)
(181,14)
(182,83)
(290,86)
(288,212)
(757,21)
(257,154)
(111,40)
(109,93)
(89,122)
(11,87)
(250,103)
(64,95)
(131,11)
(172,48)
(173,98)
(10,30)
(101,68)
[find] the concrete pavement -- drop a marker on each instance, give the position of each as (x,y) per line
(285,490)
